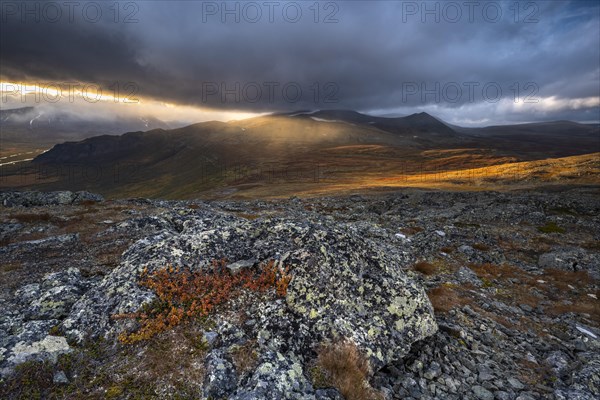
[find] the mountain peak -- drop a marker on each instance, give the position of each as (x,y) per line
(422,114)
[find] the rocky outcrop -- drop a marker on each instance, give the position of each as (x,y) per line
(343,285)
(32,199)
(516,307)
(40,307)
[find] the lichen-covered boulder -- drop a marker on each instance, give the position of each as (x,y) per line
(47,348)
(277,377)
(361,295)
(54,297)
(220,379)
(38,308)
(343,285)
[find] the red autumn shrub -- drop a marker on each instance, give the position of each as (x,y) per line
(182,294)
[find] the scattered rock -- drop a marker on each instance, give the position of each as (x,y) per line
(31,199)
(515,384)
(482,393)
(60,378)
(238,266)
(466,275)
(221,379)
(571,259)
(351,278)
(48,348)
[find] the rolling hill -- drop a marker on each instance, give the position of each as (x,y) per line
(285,154)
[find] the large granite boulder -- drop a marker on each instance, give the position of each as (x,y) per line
(343,286)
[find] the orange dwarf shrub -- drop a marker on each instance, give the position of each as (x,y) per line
(182,294)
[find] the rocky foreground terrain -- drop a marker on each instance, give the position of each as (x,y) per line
(409,295)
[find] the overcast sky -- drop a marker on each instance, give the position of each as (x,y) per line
(469,63)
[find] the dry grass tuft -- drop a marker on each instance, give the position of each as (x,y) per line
(535,374)
(552,289)
(447,249)
(491,271)
(435,267)
(245,357)
(562,279)
(551,227)
(411,230)
(342,366)
(564,299)
(10,266)
(481,247)
(88,203)
(173,356)
(249,217)
(446,297)
(31,218)
(425,268)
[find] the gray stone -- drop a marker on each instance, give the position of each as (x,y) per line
(36,199)
(49,348)
(361,294)
(433,371)
(573,394)
(466,249)
(485,376)
(558,361)
(276,377)
(526,308)
(238,266)
(515,383)
(328,394)
(220,379)
(210,338)
(481,393)
(501,395)
(525,396)
(466,275)
(588,377)
(60,378)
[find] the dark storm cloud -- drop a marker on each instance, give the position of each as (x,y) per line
(377,56)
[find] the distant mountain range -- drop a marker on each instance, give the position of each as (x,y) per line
(30,124)
(215,155)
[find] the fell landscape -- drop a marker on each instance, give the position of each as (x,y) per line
(169,229)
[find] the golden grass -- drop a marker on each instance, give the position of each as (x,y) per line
(551,227)
(88,203)
(492,271)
